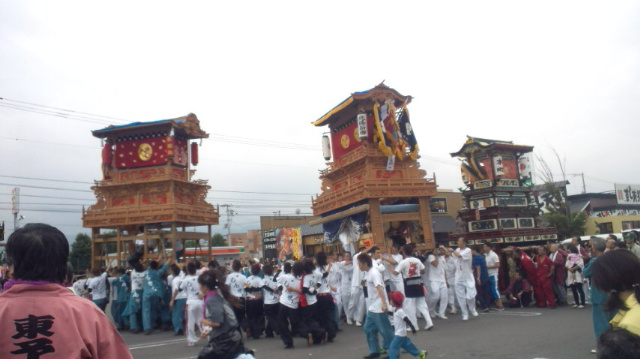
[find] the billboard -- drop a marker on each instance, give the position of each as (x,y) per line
(282,243)
(627,194)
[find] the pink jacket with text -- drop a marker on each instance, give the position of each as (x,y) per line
(49,321)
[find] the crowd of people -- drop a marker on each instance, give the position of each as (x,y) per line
(386,292)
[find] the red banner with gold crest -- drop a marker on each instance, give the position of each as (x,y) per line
(150,152)
(346,139)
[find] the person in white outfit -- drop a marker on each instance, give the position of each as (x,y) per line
(438,280)
(465,285)
(450,272)
(194,303)
(396,281)
(356,301)
(346,274)
(412,269)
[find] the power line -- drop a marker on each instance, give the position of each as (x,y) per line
(43,187)
(53,197)
(45,204)
(212,190)
(69,112)
(47,179)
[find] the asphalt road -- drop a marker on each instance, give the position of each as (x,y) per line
(562,333)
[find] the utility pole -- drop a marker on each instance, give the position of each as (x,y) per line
(15,207)
(584,186)
(230,214)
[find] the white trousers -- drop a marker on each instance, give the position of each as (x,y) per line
(194,313)
(397,285)
(439,298)
(466,294)
(452,295)
(417,305)
(357,304)
(345,296)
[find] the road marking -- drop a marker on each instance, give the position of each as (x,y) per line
(157,344)
(517,314)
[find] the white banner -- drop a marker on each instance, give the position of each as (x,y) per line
(628,193)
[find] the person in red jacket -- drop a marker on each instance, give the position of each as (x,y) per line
(544,276)
(527,265)
(39,316)
(558,280)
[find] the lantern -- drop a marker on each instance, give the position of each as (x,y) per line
(194,153)
(326,148)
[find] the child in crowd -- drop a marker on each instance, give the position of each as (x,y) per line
(400,322)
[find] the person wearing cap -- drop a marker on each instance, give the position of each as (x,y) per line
(400,322)
(630,239)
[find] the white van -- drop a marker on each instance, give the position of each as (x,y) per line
(603,236)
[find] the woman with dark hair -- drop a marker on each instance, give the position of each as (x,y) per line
(310,313)
(38,315)
(178,301)
(325,312)
(271,299)
(617,273)
(236,282)
(218,319)
(288,314)
(254,303)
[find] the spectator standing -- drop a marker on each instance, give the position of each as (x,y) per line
(574,266)
(630,239)
(617,273)
(558,279)
(38,315)
(599,316)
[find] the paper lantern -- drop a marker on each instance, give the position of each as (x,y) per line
(194,153)
(326,147)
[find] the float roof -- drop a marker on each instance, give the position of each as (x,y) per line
(187,126)
(474,144)
(380,93)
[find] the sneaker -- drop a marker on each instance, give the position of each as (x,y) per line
(349,321)
(465,318)
(441,316)
(485,310)
(372,356)
(593,351)
(358,324)
(383,351)
(574,306)
(474,313)
(289,346)
(500,309)
(581,307)
(191,344)
(422,354)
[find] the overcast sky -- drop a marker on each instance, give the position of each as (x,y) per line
(552,74)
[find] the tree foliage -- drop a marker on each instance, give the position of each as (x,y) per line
(80,256)
(558,212)
(217,240)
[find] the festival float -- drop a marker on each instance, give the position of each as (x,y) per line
(373,191)
(498,203)
(147,192)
